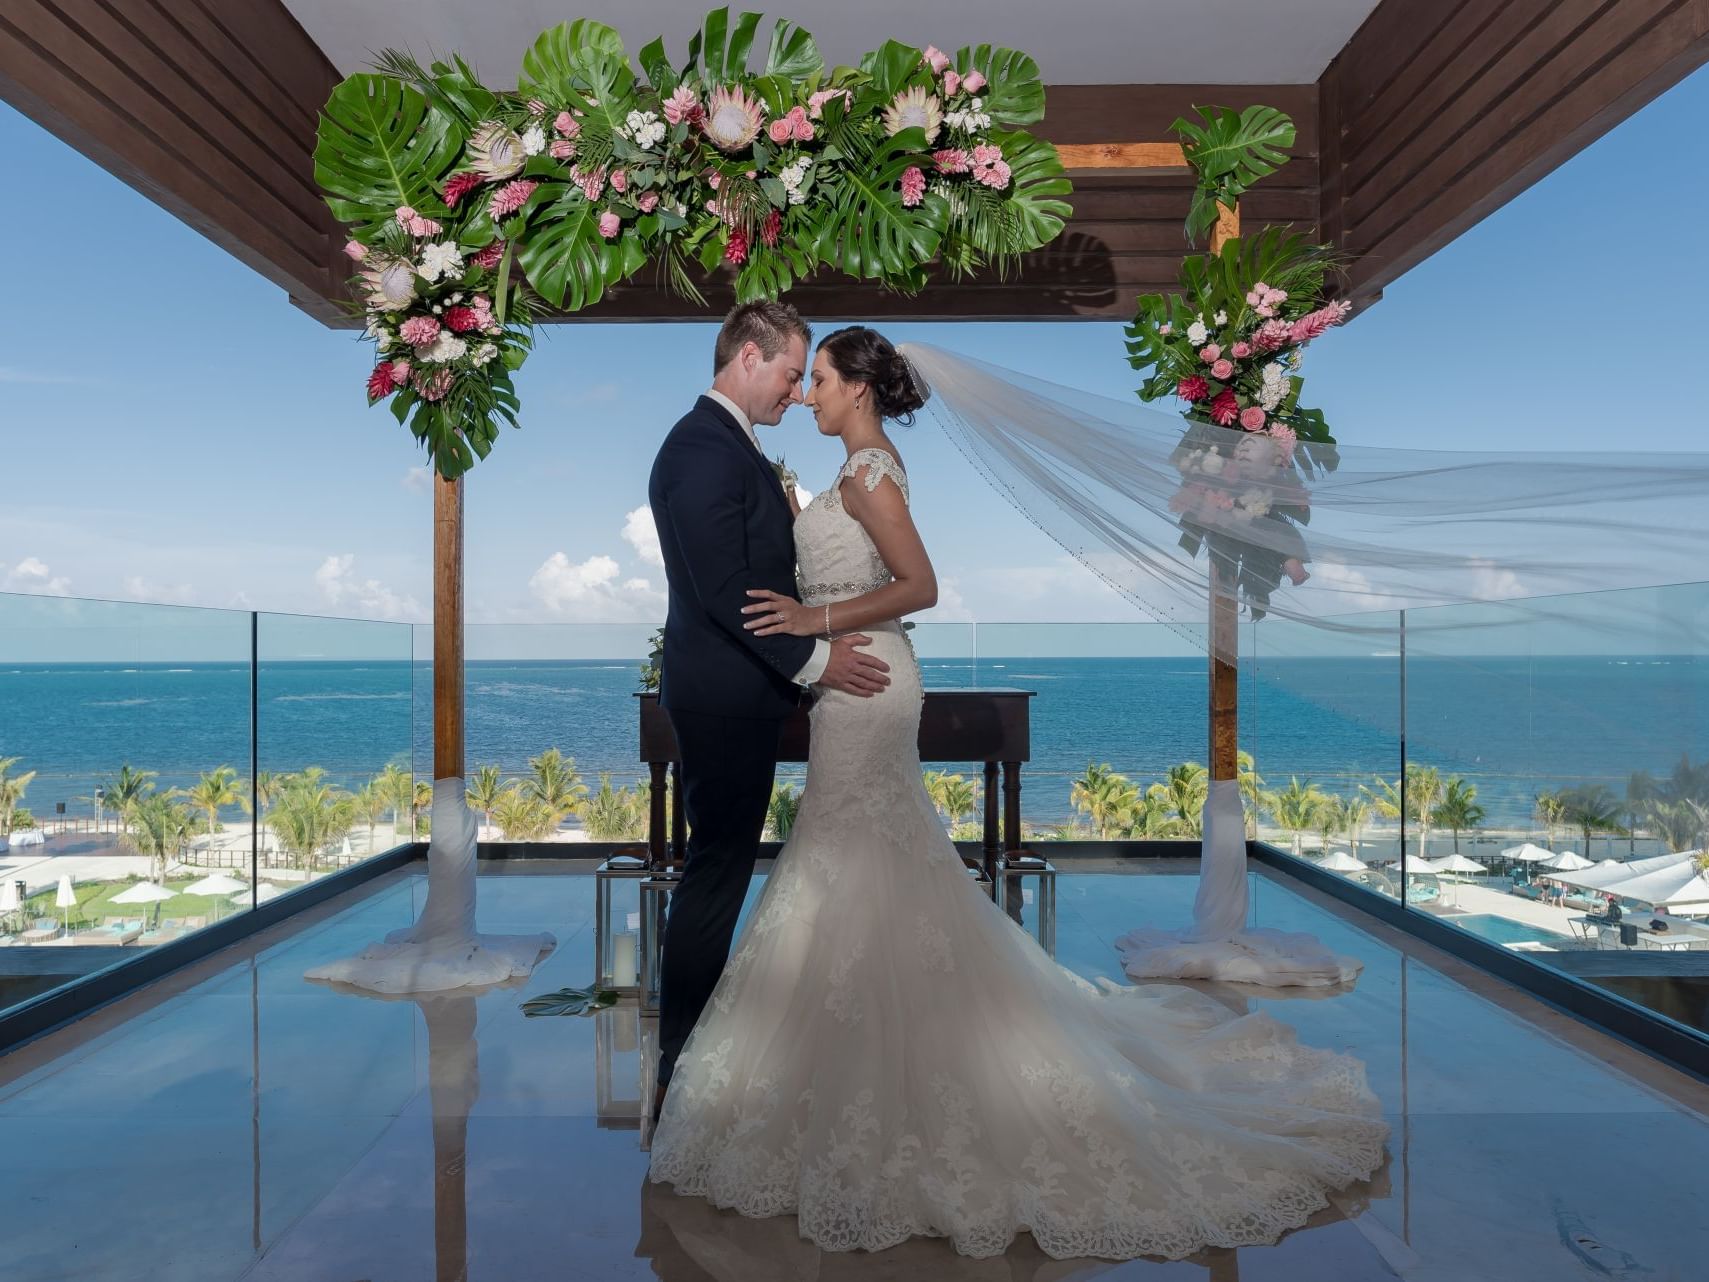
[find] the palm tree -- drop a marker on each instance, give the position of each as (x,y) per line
(371,806)
(157,826)
(1149,816)
(1104,795)
(398,786)
(311,814)
(12,789)
(1417,799)
(1296,807)
(1458,810)
(1328,820)
(1252,795)
(1590,808)
(1668,803)
(1353,813)
(610,815)
(212,791)
(1548,812)
(781,812)
(268,784)
(654,662)
(953,795)
(521,817)
(556,784)
(484,790)
(125,790)
(1184,790)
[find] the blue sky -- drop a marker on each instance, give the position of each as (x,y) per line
(175,431)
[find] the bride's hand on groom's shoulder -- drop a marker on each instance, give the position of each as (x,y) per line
(774,614)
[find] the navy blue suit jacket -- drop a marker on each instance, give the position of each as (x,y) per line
(724,527)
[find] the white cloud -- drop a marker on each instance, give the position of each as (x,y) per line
(417,480)
(31,575)
(12,374)
(952,607)
(642,535)
(137,588)
(367,598)
(590,592)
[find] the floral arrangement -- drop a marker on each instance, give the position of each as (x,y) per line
(1228,347)
(589,171)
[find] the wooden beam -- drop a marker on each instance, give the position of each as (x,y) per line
(448,683)
(1129,157)
(1224,715)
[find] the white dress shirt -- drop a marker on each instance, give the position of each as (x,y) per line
(815,667)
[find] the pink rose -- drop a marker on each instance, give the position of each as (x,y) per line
(973,82)
(648,202)
(562,149)
(1222,370)
(1241,351)
(620,181)
(400,372)
(1252,418)
(780,129)
(567,124)
(1209,352)
(952,83)
(609,224)
(355,249)
(938,59)
(801,129)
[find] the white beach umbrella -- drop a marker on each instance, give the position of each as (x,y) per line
(1567,861)
(263,892)
(65,899)
(216,884)
(1603,877)
(1529,853)
(144,892)
(9,896)
(1681,886)
(1341,861)
(1457,862)
(1413,864)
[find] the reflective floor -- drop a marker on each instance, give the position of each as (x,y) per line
(237,1122)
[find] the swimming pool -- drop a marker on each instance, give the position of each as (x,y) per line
(1504,930)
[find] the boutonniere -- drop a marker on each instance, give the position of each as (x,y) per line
(785,477)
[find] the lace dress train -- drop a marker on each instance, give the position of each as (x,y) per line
(887,1055)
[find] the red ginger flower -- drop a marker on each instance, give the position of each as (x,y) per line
(460,185)
(382,382)
(1193,388)
(490,256)
(736,248)
(770,228)
(1225,408)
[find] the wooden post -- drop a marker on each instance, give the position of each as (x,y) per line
(1224,613)
(447,628)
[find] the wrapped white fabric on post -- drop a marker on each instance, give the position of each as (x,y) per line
(1218,945)
(442,951)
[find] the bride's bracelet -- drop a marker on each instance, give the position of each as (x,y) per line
(827,620)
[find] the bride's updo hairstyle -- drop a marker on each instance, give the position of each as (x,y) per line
(862,355)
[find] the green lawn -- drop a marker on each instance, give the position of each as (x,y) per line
(94,901)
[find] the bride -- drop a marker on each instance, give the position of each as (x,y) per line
(888,1055)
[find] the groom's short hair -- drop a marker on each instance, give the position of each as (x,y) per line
(766,324)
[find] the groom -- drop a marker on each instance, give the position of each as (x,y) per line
(725,526)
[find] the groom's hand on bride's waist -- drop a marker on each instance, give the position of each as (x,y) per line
(854,671)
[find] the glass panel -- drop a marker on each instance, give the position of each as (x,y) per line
(124,742)
(335,780)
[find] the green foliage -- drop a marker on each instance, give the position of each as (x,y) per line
(381,144)
(1229,151)
(570,1001)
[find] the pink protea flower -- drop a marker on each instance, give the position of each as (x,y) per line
(647,202)
(1295,569)
(1225,408)
(562,149)
(400,373)
(952,82)
(620,181)
(1241,351)
(816,102)
(736,248)
(382,382)
(913,186)
(770,228)
(609,224)
(355,249)
(914,108)
(936,58)
(419,331)
(996,176)
(1209,352)
(733,120)
(567,124)
(460,320)
(1193,388)
(511,197)
(679,104)
(953,160)
(490,256)
(432,385)
(1273,335)
(1222,370)
(1252,418)
(973,82)
(495,151)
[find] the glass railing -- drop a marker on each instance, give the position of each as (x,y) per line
(130,770)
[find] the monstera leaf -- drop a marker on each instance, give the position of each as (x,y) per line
(890,67)
(793,54)
(570,1001)
(1013,94)
(380,145)
(720,51)
(866,232)
(584,63)
(1230,152)
(1035,212)
(566,260)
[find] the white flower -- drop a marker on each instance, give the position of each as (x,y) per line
(969,120)
(645,128)
(1254,503)
(534,140)
(1221,318)
(484,353)
(1197,333)
(1212,466)
(446,347)
(442,259)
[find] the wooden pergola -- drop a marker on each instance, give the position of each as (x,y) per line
(1416,119)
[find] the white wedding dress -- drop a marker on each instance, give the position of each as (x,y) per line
(888,1055)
